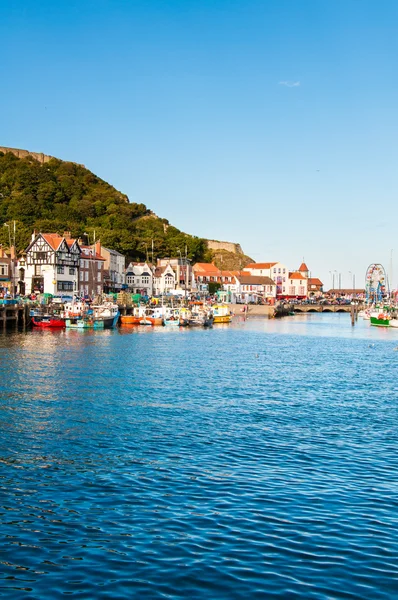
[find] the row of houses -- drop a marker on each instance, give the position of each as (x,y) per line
(58,264)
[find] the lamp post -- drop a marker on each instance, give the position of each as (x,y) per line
(332,276)
(353,281)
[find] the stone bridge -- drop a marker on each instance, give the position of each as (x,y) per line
(305,308)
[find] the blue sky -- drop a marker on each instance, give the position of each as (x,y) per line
(271,123)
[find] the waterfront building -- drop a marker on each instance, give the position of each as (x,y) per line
(52,264)
(205,273)
(6,272)
(139,278)
(164,280)
(276,271)
(91,277)
(183,272)
(315,287)
(114,270)
(255,288)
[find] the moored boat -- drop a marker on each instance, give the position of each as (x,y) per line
(380,319)
(221,313)
(172,318)
(48,321)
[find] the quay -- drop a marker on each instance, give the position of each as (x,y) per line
(14,316)
(266,310)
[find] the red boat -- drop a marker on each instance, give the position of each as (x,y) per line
(48,321)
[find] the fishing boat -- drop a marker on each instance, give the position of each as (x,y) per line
(221,313)
(106,312)
(380,319)
(201,317)
(172,318)
(143,316)
(136,318)
(101,316)
(85,322)
(48,321)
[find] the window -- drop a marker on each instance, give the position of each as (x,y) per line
(292,291)
(145,280)
(301,283)
(274,270)
(65,286)
(71,271)
(283,289)
(301,291)
(284,272)
(86,276)
(60,270)
(3,269)
(279,270)
(99,265)
(81,275)
(283,278)
(291,282)
(98,289)
(40,256)
(99,276)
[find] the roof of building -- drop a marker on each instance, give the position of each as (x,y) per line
(314,281)
(266,265)
(296,275)
(303,267)
(112,251)
(53,239)
(160,270)
(87,253)
(206,268)
(255,280)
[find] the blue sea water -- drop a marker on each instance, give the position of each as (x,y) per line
(258,460)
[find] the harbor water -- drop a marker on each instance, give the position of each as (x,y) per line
(256,460)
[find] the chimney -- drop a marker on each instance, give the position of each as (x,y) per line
(67,235)
(98,247)
(34,235)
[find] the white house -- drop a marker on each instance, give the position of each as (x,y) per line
(296,286)
(139,278)
(253,288)
(165,279)
(52,264)
(275,270)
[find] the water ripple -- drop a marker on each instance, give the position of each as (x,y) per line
(258,460)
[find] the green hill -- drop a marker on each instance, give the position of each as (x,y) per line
(58,196)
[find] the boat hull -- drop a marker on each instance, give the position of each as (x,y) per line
(51,323)
(222,319)
(131,320)
(379,322)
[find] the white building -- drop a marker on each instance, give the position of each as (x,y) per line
(139,278)
(275,270)
(253,288)
(296,286)
(114,270)
(52,264)
(164,280)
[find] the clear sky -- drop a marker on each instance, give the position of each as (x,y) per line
(272,123)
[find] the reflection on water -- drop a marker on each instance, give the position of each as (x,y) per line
(254,460)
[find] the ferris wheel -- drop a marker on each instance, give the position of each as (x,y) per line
(376,282)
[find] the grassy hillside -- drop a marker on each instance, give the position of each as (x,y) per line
(230,261)
(62,196)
